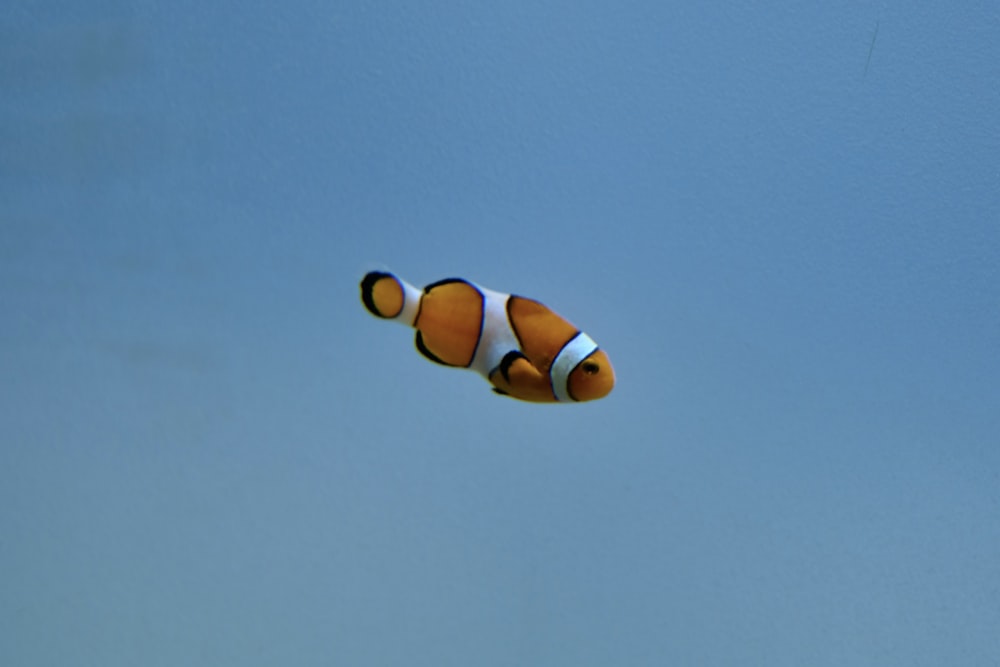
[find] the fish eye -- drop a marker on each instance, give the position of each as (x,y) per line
(590,367)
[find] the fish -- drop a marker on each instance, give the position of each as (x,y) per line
(523,349)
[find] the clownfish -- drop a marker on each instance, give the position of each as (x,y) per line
(522,348)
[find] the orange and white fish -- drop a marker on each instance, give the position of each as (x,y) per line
(524,349)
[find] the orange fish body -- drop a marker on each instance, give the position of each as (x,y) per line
(522,348)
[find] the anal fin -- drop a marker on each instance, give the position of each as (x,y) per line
(422,348)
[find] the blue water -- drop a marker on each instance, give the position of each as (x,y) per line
(782,223)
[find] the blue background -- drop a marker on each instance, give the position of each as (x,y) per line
(782,222)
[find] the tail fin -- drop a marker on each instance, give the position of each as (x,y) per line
(389,297)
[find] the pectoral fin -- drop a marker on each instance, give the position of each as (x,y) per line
(516,376)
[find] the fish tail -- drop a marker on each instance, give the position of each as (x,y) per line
(389,297)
